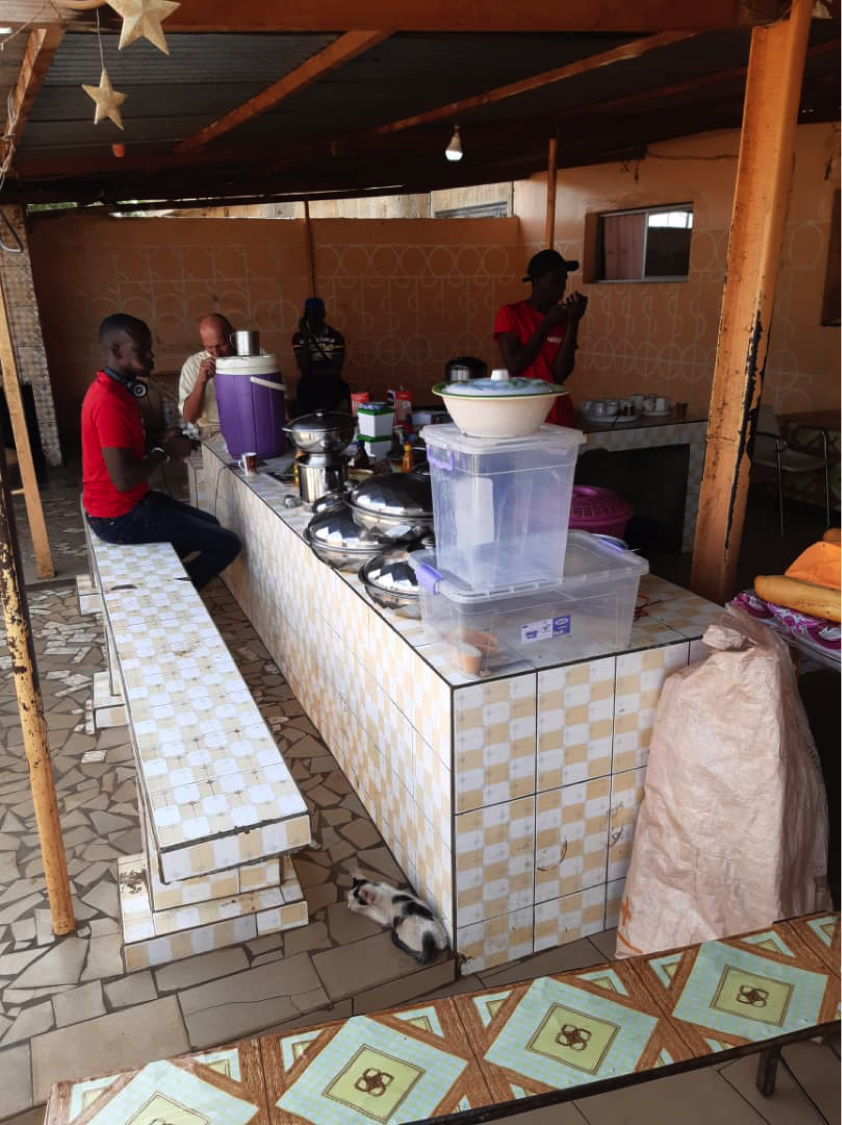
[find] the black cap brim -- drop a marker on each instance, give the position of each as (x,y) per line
(569,264)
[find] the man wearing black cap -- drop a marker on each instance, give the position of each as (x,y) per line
(537,337)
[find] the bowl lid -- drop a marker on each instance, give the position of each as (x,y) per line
(402,495)
(321,421)
(391,572)
(499,385)
(335,529)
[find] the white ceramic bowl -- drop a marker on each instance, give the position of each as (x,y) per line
(500,416)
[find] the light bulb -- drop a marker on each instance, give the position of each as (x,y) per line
(454,148)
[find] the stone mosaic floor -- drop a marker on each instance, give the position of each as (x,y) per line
(339,965)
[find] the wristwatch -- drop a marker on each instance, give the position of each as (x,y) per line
(158,449)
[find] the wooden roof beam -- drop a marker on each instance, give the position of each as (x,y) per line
(480,15)
(455,110)
(341,51)
(40,49)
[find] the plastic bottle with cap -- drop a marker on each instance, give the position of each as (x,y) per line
(500,375)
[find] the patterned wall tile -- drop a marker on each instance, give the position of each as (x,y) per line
(496,940)
(433,783)
(495,727)
(570,917)
(575,722)
(571,838)
(626,797)
(613,902)
(640,676)
(495,860)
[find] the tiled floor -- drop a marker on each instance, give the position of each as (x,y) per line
(471,1051)
(340,964)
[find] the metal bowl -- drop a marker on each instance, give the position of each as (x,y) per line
(390,582)
(397,506)
(326,431)
(334,537)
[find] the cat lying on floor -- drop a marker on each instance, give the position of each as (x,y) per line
(415,929)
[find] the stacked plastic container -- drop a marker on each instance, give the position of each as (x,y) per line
(507,584)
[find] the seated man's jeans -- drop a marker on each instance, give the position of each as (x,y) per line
(159,518)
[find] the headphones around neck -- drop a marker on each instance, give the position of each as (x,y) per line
(135,387)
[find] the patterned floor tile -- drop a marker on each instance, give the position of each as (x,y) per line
(820,934)
(219,1087)
(740,990)
(405,1065)
(567,1031)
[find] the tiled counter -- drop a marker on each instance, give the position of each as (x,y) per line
(653,433)
(510,802)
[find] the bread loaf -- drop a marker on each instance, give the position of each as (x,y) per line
(816,601)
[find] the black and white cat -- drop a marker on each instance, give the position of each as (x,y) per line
(415,929)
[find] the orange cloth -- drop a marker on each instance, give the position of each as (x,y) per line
(819,564)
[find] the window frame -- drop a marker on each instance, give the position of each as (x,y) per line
(654,210)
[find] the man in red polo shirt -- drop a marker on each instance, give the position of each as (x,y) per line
(119,505)
(537,337)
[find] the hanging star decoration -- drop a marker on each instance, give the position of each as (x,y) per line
(142,18)
(107,99)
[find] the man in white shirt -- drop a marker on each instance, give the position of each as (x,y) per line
(196,392)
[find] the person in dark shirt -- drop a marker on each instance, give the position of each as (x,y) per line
(119,505)
(319,353)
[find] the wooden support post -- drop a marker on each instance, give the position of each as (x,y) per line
(14,401)
(31,709)
(549,228)
(764,173)
(308,245)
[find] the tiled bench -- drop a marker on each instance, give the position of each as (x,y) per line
(551,1040)
(217,803)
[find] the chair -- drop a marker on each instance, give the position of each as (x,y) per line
(771,451)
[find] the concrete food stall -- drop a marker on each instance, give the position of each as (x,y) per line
(508,800)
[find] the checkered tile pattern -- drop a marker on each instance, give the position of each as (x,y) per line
(640,677)
(495,727)
(626,796)
(156,937)
(562,920)
(571,838)
(613,901)
(575,723)
(495,860)
(436,754)
(496,940)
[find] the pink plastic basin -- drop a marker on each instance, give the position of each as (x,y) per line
(599,511)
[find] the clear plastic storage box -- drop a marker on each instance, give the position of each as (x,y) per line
(588,613)
(502,505)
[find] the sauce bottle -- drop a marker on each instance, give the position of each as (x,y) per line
(408,463)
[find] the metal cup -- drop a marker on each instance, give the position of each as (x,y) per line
(248,463)
(246,342)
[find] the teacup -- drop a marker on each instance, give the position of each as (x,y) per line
(626,407)
(248,463)
(649,403)
(611,407)
(598,408)
(636,401)
(662,405)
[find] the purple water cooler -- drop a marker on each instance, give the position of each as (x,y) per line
(250,397)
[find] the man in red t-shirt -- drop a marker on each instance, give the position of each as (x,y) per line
(119,505)
(537,337)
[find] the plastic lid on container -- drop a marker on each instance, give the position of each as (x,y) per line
(247,365)
(375,408)
(593,503)
(451,437)
(500,385)
(587,560)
